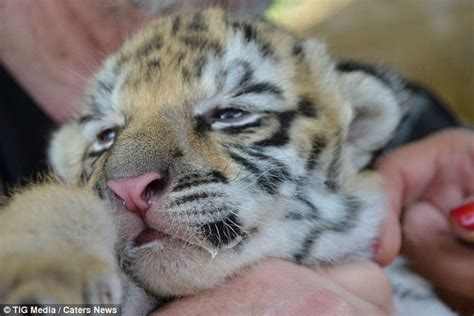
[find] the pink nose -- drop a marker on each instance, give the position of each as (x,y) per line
(139,192)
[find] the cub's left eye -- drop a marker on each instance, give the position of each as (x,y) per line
(229,115)
(107,136)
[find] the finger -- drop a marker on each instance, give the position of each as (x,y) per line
(408,175)
(443,162)
(388,245)
(353,278)
(435,252)
(462,221)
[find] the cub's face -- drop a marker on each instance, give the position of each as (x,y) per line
(220,142)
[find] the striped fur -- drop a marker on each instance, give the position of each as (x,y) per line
(266,136)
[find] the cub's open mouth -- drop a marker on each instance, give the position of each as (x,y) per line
(149,235)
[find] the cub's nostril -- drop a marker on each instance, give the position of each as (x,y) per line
(154,187)
(139,192)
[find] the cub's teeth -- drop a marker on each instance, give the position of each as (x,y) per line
(233,243)
(212,251)
(155,244)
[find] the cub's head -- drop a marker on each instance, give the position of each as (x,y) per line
(221,141)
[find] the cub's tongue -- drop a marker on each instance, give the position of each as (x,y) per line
(148,236)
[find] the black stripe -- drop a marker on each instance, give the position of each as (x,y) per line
(187,185)
(104,86)
(295,216)
(87,118)
(99,191)
(248,73)
(261,87)
(95,107)
(252,168)
(318,144)
(192,176)
(266,50)
(197,23)
(308,243)
(150,46)
(300,216)
(276,164)
(334,169)
(84,176)
(151,67)
(186,73)
(306,107)
(155,64)
(221,233)
(202,43)
(176,25)
(246,29)
(250,35)
(313,208)
(297,51)
(375,71)
(199,65)
(218,176)
(268,180)
(192,198)
(353,207)
(280,137)
(195,180)
(196,176)
(202,125)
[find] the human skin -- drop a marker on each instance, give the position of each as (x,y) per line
(425,181)
(276,287)
(52,47)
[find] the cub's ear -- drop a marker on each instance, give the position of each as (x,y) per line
(370,100)
(378,101)
(66,151)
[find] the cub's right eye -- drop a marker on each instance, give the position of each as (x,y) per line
(107,136)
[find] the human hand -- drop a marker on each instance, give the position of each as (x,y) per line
(276,287)
(427,180)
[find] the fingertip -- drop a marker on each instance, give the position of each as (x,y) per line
(389,241)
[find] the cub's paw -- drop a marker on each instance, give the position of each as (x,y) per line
(53,280)
(57,247)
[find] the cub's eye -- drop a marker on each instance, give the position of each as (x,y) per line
(107,135)
(228,115)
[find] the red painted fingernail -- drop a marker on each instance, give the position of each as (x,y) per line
(464,216)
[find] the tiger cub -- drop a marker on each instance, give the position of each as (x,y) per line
(210,143)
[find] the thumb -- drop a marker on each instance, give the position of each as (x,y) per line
(462,221)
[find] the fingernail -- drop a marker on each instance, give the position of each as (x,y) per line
(464,216)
